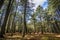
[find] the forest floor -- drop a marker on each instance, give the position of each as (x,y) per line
(33,36)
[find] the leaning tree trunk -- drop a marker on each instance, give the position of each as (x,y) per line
(5,18)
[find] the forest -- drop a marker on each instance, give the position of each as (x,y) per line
(21,20)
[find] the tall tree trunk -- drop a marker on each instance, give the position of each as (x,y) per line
(41,25)
(6,17)
(20,25)
(41,29)
(57,27)
(25,26)
(8,25)
(1,3)
(13,24)
(1,18)
(34,26)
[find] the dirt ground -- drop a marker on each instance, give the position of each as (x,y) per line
(33,36)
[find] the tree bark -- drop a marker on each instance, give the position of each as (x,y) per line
(13,24)
(25,26)
(5,18)
(34,26)
(8,25)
